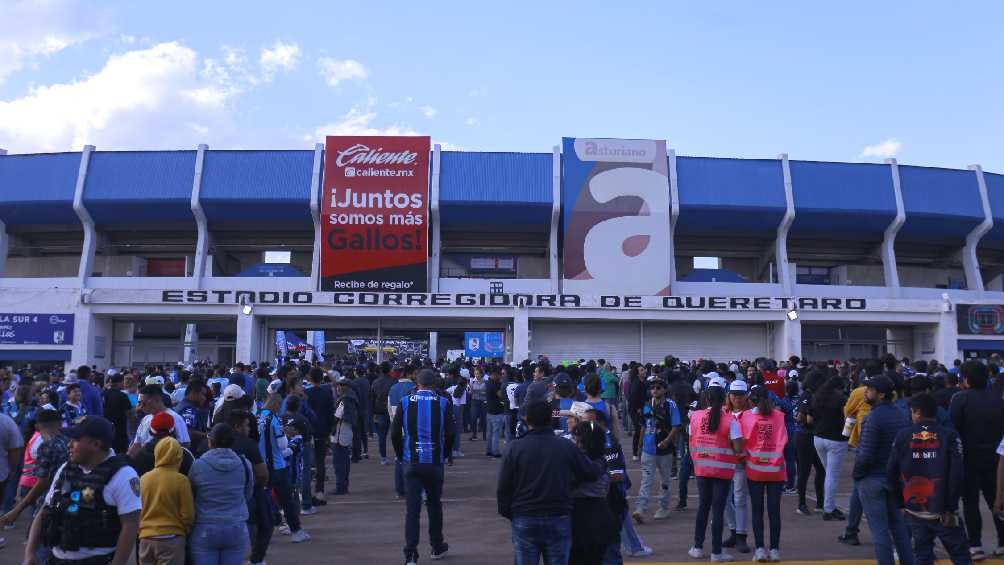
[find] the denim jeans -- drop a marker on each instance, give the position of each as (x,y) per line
(496,429)
(686,470)
(262,524)
(924,534)
(419,477)
(340,458)
(790,460)
(713,494)
(306,496)
(885,521)
(477,415)
(650,466)
(535,537)
(458,413)
(278,480)
(854,512)
(219,544)
(772,490)
(629,537)
(382,423)
(831,453)
(737,508)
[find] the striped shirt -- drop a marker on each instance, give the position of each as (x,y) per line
(427,422)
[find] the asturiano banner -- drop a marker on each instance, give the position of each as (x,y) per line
(374,214)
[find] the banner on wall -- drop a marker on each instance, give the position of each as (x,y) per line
(484,344)
(36,329)
(374,214)
(980,319)
(615,195)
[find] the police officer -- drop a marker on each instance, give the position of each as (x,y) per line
(91,512)
(423,432)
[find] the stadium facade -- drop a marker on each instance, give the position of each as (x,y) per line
(617,249)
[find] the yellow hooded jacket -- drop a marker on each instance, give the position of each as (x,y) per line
(168,507)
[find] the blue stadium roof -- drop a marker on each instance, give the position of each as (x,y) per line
(477,189)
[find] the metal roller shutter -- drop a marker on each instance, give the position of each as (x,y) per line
(617,342)
(720,342)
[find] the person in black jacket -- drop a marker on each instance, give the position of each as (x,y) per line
(926,471)
(322,402)
(378,405)
(870,473)
(978,416)
(535,488)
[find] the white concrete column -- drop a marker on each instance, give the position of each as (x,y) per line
(784,271)
(4,238)
(201,225)
(435,221)
(250,338)
(315,215)
(520,335)
(92,339)
(433,345)
(787,338)
(674,213)
(191,350)
(90,233)
(970,262)
(552,241)
(889,267)
(123,335)
(946,337)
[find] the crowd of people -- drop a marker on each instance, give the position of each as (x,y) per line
(203,464)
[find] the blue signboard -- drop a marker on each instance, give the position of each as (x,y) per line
(36,329)
(484,344)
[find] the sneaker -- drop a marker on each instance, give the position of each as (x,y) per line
(300,535)
(791,491)
(307,511)
(634,458)
(384,461)
(662,514)
(775,555)
(284,529)
(999,551)
(440,553)
(803,510)
(721,558)
(760,556)
(977,553)
(680,507)
(730,541)
(318,501)
(832,516)
(645,551)
(458,454)
(839,514)
(638,517)
(366,455)
(257,563)
(411,559)
(741,545)
(9,527)
(696,553)
(474,438)
(849,539)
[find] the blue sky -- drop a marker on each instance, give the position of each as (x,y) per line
(852,81)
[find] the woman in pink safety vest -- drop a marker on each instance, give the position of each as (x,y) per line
(765,436)
(715,442)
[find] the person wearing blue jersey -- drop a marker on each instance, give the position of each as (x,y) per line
(661,420)
(423,432)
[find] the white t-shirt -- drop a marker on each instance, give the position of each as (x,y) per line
(122,492)
(457,401)
(143,435)
(510,392)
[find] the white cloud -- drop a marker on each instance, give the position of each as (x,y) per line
(335,71)
(280,57)
(472,121)
(31,31)
(164,96)
(428,111)
(887,149)
(357,121)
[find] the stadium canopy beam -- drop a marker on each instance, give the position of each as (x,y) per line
(970,260)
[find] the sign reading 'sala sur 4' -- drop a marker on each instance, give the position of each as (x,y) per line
(615,195)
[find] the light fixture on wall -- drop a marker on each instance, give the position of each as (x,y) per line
(246,307)
(946,303)
(792,314)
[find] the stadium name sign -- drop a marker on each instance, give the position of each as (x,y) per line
(509,300)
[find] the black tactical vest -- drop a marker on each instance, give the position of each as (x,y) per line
(78,515)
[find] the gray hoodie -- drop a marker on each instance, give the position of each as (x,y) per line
(222,483)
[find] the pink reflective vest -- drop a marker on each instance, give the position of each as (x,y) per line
(765,438)
(711,450)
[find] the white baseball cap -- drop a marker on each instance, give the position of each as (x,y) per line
(155,380)
(738,387)
(273,387)
(233,392)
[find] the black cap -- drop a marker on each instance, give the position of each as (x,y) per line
(93,427)
(45,416)
(881,383)
(562,379)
